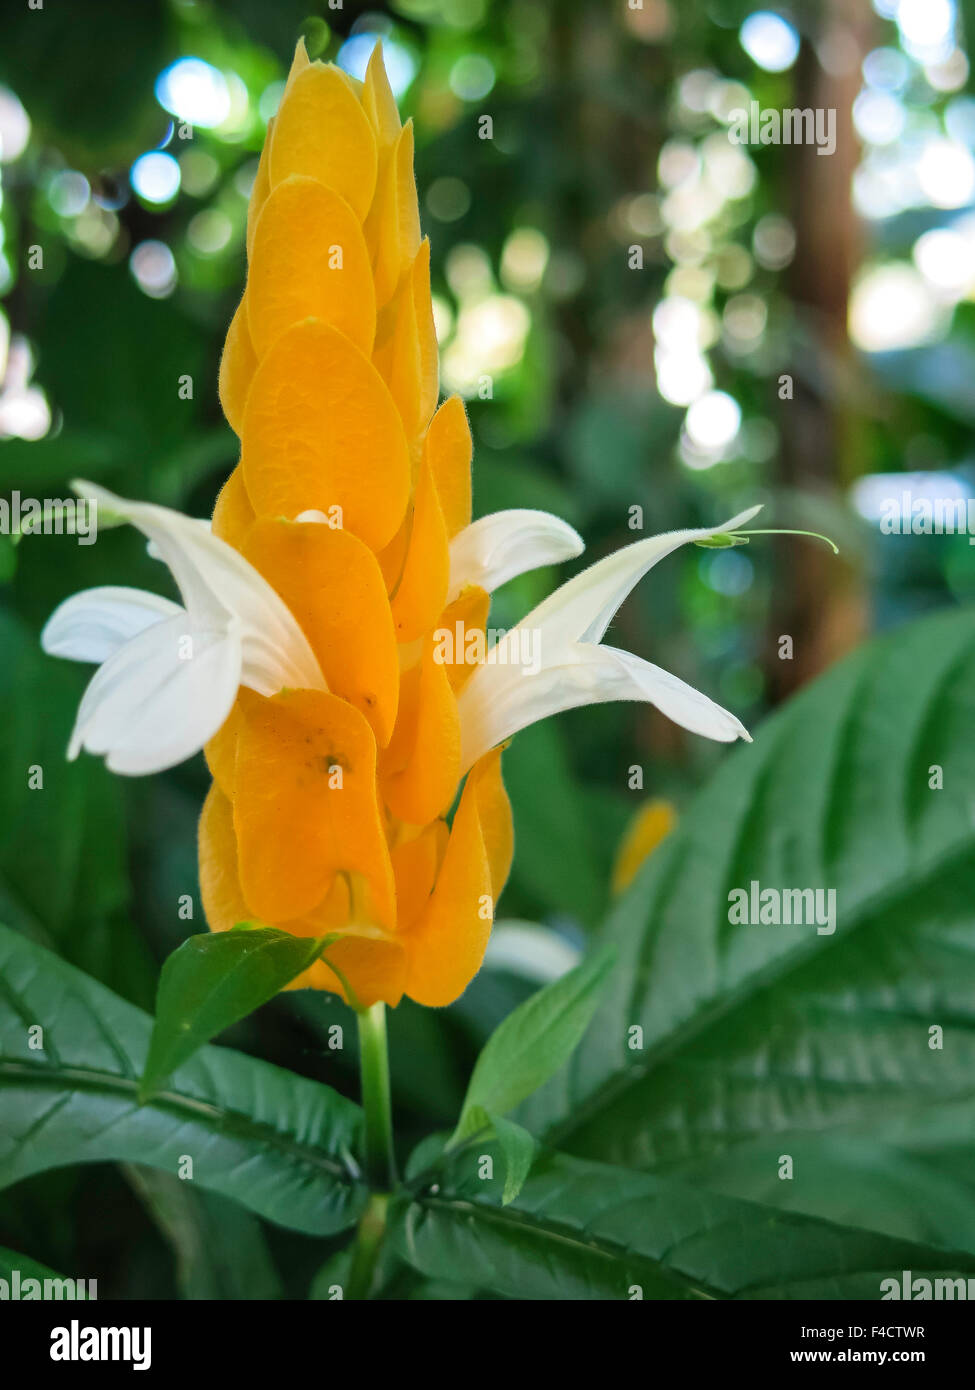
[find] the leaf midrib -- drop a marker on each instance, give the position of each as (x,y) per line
(609,1091)
(507,1218)
(92,1080)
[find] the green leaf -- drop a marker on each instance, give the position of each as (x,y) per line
(63,874)
(519,1149)
(12,1265)
(332,1276)
(534,1041)
(591,1231)
(280,1145)
(220,1251)
(211,981)
(550,809)
(720,1047)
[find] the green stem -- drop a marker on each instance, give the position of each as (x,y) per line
(368,1242)
(379,1157)
(376,1098)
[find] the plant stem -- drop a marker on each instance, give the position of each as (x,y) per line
(379,1157)
(365,1251)
(376,1100)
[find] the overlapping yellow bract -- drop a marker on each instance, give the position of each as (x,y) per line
(327,812)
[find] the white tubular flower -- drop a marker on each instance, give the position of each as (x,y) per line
(495,549)
(553,659)
(168,675)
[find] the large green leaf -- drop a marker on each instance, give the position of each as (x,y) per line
(762,1041)
(582,1230)
(279,1144)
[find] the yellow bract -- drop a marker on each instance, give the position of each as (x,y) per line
(328,813)
(652,823)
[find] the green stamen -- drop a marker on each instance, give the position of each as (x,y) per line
(724,540)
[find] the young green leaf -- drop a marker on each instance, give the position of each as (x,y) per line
(533,1042)
(211,981)
(519,1149)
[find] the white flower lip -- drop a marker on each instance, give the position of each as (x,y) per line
(168,675)
(575,669)
(502,545)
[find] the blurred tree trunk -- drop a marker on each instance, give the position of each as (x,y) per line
(820,601)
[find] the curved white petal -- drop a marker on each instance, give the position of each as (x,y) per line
(494,549)
(217,584)
(152,549)
(582,609)
(498,701)
(92,625)
(160,697)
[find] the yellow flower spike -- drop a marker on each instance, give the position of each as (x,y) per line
(322,131)
(309,261)
(335,723)
(322,431)
(446,946)
(237,366)
(449,447)
(652,823)
(332,583)
(305,806)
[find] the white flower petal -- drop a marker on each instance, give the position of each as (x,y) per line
(494,549)
(498,701)
(152,549)
(534,952)
(636,679)
(582,609)
(217,583)
(152,705)
(552,660)
(92,625)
